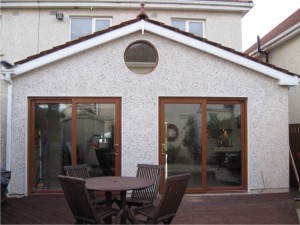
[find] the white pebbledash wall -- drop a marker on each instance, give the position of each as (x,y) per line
(181,71)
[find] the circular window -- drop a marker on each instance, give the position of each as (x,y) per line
(141,57)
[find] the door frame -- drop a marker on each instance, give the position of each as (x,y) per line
(204,101)
(32,101)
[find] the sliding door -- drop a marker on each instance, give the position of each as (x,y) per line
(72,131)
(207,138)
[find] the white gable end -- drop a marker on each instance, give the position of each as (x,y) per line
(145,26)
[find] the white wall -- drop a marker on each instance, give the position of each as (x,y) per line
(287,55)
(3,104)
(181,71)
(27,31)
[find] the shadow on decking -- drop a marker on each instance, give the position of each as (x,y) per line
(219,209)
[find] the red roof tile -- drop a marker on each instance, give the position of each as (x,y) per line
(279,29)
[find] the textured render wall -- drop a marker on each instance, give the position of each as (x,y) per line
(181,71)
(294,105)
(19,34)
(25,40)
(3,104)
(287,56)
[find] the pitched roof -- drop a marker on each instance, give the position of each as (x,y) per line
(290,22)
(143,23)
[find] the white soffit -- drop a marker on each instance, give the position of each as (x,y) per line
(283,78)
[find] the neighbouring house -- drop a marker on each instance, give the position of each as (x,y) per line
(43,24)
(282,48)
(146,92)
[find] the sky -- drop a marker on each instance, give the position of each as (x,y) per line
(264,16)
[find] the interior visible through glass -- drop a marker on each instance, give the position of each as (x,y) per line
(184,143)
(183,131)
(95,138)
(223,145)
(53,141)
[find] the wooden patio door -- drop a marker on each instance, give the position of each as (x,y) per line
(70,131)
(207,138)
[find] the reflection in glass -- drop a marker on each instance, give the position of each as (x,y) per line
(102,25)
(95,138)
(224,144)
(180,24)
(52,143)
(183,140)
(141,57)
(196,28)
(80,27)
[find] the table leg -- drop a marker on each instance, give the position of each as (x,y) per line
(108,195)
(123,207)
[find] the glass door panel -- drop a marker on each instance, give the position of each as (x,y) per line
(207,138)
(224,144)
(95,137)
(72,131)
(52,133)
(183,141)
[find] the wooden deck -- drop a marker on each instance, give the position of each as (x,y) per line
(225,209)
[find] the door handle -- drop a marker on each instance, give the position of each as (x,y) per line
(164,149)
(116,149)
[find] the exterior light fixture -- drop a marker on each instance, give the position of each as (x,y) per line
(59,16)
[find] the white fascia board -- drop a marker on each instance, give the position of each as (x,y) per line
(76,48)
(283,78)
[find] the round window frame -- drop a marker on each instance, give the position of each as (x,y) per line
(142,42)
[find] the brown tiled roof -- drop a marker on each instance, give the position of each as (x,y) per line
(279,29)
(140,17)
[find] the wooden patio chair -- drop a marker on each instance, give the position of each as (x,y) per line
(147,195)
(80,204)
(82,171)
(168,205)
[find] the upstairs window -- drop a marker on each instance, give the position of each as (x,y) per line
(85,26)
(195,27)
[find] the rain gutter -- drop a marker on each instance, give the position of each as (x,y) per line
(6,75)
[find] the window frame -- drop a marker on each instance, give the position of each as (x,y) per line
(94,19)
(187,24)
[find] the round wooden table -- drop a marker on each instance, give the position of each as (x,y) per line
(117,184)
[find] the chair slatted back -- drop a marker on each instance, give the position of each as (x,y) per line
(78,199)
(171,198)
(152,172)
(80,171)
